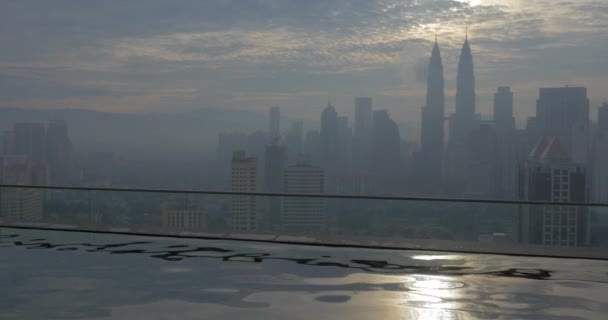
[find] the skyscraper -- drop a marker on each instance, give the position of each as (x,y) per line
(274,125)
(386,146)
(244,208)
(294,141)
(362,135)
(503,108)
(312,146)
(330,135)
(346,146)
(602,117)
(507,149)
(564,113)
(274,156)
(363,117)
(58,151)
(29,140)
(465,85)
(481,180)
(600,157)
(274,165)
(303,214)
(432,130)
(463,121)
(549,174)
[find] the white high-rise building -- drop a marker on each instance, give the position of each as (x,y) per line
(21,204)
(303,214)
(549,174)
(244,178)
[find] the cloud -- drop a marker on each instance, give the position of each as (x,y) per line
(215,51)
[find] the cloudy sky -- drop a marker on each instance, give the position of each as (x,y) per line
(153,55)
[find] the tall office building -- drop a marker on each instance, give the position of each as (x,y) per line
(363,118)
(602,117)
(29,140)
(274,125)
(463,121)
(312,146)
(549,174)
(346,146)
(303,214)
(362,134)
(274,156)
(274,166)
(294,141)
(386,146)
(564,113)
(244,178)
(507,148)
(59,151)
(432,130)
(330,136)
(481,181)
(600,158)
(503,108)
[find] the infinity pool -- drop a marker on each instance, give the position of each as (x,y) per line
(74,275)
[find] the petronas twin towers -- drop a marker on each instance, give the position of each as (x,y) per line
(438,162)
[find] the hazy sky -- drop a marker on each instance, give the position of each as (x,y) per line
(150,55)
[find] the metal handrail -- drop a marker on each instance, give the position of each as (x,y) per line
(312,195)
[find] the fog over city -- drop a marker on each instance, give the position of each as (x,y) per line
(294,159)
(167,92)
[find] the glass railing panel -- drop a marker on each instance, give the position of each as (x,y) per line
(552,229)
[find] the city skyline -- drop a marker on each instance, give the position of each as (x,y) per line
(293,56)
(354,158)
